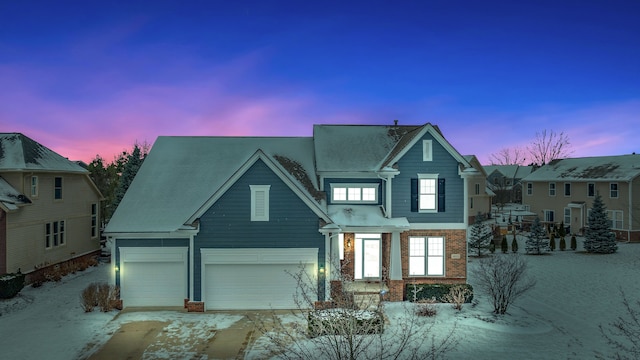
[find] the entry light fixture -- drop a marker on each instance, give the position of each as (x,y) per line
(348,243)
(321,270)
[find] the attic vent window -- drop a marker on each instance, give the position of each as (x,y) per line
(427,150)
(259,202)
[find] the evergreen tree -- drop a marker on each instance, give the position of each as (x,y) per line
(504,245)
(552,241)
(598,237)
(562,233)
(479,236)
(492,247)
(514,245)
(537,242)
(574,243)
(129,171)
(106,177)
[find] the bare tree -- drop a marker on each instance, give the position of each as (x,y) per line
(623,334)
(547,146)
(508,156)
(504,278)
(346,328)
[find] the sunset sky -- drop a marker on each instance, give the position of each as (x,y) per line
(93,77)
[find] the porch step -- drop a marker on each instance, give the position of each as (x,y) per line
(366,301)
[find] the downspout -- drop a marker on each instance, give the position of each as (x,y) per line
(191,267)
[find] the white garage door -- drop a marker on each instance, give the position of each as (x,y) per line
(254,278)
(153,276)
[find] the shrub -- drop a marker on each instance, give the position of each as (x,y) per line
(341,321)
(563,244)
(504,278)
(552,242)
(492,247)
(574,244)
(89,298)
(100,295)
(457,296)
(426,307)
(11,284)
(418,292)
(504,245)
(514,245)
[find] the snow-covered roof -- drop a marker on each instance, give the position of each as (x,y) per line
(10,198)
(355,148)
(20,153)
(510,171)
(181,174)
(349,217)
(601,168)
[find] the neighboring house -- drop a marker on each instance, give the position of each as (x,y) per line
(480,196)
(505,182)
(564,190)
(48,207)
(217,222)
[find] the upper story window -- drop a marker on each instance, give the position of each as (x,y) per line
(260,202)
(359,193)
(567,189)
(477,189)
(427,193)
(529,189)
(94,220)
(552,189)
(427,150)
(613,190)
(57,188)
(34,186)
(591,189)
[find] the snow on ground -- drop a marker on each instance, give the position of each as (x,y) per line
(558,319)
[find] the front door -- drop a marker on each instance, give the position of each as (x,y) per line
(367,257)
(576,220)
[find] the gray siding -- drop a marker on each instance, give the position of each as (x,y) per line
(444,164)
(160,242)
(227,224)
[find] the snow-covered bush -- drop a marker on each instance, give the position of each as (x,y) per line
(574,243)
(504,279)
(10,285)
(514,245)
(537,243)
(426,307)
(417,292)
(458,295)
(598,237)
(344,321)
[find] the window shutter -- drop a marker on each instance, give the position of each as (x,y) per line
(414,195)
(441,196)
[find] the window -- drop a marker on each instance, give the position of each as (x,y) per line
(567,216)
(365,193)
(94,220)
(591,189)
(615,217)
(34,186)
(471,202)
(567,189)
(613,190)
(428,193)
(477,189)
(552,189)
(259,202)
(57,188)
(54,234)
(428,196)
(549,216)
(529,189)
(427,150)
(426,256)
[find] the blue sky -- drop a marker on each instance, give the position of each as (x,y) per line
(93,77)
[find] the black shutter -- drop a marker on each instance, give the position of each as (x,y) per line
(441,195)
(414,195)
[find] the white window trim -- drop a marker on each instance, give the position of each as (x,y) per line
(360,186)
(427,150)
(426,256)
(564,189)
(594,189)
(555,189)
(61,188)
(34,186)
(423,177)
(95,220)
(567,216)
(616,216)
(611,190)
(546,212)
(254,190)
(529,189)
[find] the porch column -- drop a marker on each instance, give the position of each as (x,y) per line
(395,257)
(334,283)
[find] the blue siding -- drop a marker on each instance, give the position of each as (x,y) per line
(160,242)
(381,187)
(444,164)
(227,224)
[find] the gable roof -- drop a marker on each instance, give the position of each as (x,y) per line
(510,171)
(20,153)
(10,198)
(182,176)
(601,168)
(355,148)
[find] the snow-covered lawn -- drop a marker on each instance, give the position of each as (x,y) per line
(558,319)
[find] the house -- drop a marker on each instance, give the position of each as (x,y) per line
(480,195)
(564,190)
(48,208)
(505,181)
(220,222)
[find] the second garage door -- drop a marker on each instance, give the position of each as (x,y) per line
(255,278)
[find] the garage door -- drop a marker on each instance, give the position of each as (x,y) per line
(254,278)
(153,276)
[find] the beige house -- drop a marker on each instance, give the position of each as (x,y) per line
(479,194)
(564,190)
(48,207)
